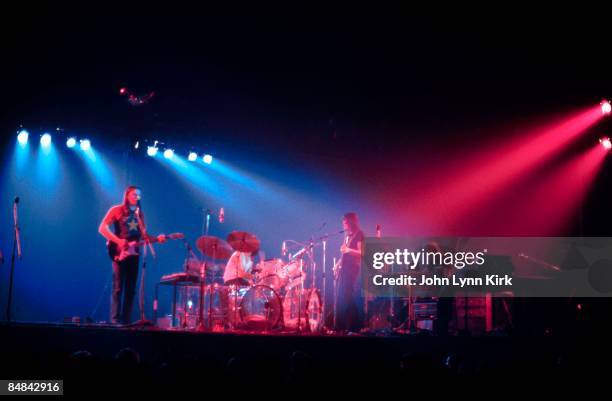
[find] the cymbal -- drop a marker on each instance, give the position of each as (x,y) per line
(214,247)
(243,241)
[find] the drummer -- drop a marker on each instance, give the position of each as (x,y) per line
(238,270)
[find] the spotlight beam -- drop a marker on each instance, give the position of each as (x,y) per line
(45,140)
(22,137)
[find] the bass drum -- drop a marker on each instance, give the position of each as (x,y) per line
(302,309)
(260,309)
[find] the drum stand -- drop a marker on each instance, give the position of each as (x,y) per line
(300,288)
(268,312)
(201,325)
(184,291)
(234,288)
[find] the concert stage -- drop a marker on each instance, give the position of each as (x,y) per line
(366,204)
(175,361)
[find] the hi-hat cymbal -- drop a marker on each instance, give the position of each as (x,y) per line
(243,241)
(214,247)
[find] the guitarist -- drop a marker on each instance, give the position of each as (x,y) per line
(348,318)
(128,225)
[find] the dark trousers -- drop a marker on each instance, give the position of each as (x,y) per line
(125,277)
(348,302)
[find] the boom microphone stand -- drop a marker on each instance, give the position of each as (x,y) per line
(16,248)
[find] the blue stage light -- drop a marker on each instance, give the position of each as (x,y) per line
(22,137)
(193,156)
(71,142)
(207,159)
(168,153)
(85,144)
(45,140)
(152,150)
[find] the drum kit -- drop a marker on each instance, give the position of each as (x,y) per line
(272,297)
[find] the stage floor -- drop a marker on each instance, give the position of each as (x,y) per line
(169,357)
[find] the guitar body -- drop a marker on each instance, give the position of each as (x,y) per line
(119,255)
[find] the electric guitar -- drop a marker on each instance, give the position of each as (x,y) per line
(131,248)
(338,266)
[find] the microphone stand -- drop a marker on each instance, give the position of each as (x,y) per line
(141,299)
(335,298)
(324,285)
(16,249)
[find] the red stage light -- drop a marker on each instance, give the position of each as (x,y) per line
(606,107)
(606,143)
(122,91)
(475,190)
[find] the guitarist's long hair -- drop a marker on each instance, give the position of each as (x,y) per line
(353,221)
(126,205)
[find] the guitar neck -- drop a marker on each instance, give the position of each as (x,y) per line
(144,242)
(154,239)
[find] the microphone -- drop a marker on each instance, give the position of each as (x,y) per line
(378,231)
(15,217)
(221,215)
(284,248)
